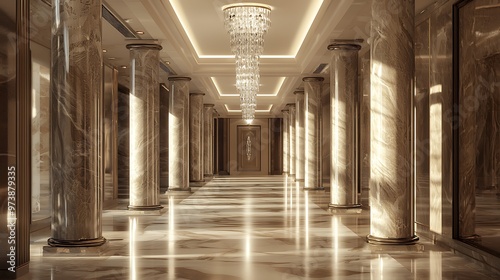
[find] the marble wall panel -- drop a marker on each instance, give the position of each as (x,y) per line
(421,103)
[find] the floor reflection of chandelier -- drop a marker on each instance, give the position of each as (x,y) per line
(247,23)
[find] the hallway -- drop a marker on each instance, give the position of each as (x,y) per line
(248,228)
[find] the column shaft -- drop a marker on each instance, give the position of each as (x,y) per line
(164,131)
(286,142)
(76,130)
(299,136)
(144,127)
(292,137)
(196,129)
(392,72)
(312,109)
(343,126)
(208,143)
(178,144)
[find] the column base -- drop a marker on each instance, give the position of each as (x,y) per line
(299,180)
(391,241)
(208,175)
(146,210)
(75,248)
(197,181)
(344,209)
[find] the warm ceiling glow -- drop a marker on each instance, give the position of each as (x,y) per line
(277,88)
(306,22)
(268,110)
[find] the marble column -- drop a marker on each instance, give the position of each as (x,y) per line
(392,72)
(299,135)
(76,129)
(286,142)
(196,130)
(291,136)
(312,111)
(208,142)
(164,131)
(178,141)
(344,116)
(144,127)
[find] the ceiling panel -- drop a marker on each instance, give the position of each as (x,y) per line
(269,86)
(203,22)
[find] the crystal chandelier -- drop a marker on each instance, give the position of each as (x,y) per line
(247,23)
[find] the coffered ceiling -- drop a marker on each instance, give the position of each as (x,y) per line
(196,44)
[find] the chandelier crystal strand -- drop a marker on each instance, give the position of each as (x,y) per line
(246,25)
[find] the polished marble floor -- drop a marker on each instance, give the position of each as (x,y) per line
(248,228)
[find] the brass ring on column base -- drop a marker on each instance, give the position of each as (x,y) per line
(77,243)
(145,208)
(338,206)
(391,241)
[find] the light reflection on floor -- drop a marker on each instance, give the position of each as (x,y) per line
(247,228)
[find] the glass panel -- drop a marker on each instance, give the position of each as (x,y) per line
(40,23)
(479,129)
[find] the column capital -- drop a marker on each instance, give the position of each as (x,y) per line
(144,46)
(313,79)
(208,105)
(344,47)
(173,79)
(290,105)
(285,111)
(196,93)
(298,92)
